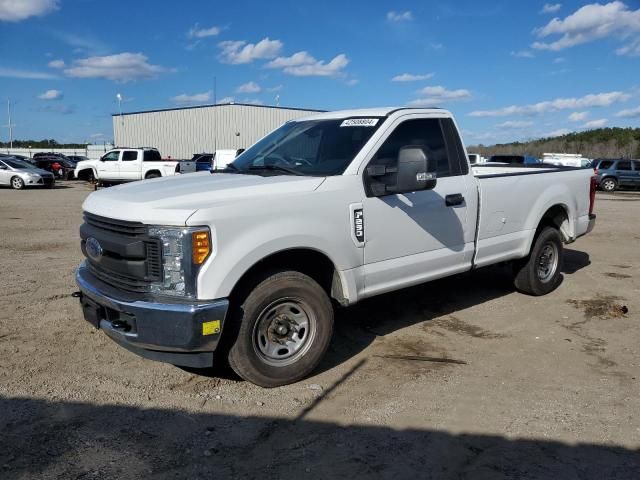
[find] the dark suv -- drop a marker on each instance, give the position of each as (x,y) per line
(615,173)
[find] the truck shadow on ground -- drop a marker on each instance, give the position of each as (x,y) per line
(358,326)
(61,439)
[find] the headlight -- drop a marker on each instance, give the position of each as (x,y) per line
(184,250)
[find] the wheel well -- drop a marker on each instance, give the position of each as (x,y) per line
(304,260)
(558,218)
(146,175)
(84,174)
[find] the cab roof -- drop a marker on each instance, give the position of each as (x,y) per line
(370,112)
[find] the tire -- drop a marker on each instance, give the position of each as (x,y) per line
(282,330)
(539,272)
(152,175)
(609,184)
(17,183)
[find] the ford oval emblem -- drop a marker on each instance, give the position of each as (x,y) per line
(94,249)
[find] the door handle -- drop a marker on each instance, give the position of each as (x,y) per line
(454,199)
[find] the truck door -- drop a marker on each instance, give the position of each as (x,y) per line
(130,165)
(418,236)
(109,166)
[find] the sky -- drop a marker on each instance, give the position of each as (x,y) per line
(507,69)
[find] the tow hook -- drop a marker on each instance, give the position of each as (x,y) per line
(77,294)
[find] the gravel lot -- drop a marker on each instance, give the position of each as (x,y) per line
(531,387)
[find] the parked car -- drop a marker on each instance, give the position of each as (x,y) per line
(19,174)
(514,160)
(61,167)
(77,158)
(476,158)
(334,207)
(126,165)
(614,173)
(200,162)
(566,159)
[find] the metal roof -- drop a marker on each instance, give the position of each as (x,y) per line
(216,106)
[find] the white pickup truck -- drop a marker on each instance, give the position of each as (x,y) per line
(125,165)
(337,206)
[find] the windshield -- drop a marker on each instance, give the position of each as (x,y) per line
(15,163)
(314,147)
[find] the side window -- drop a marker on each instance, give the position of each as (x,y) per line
(605,165)
(637,165)
(112,156)
(129,155)
(426,133)
(151,156)
(624,165)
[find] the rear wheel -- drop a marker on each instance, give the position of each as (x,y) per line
(609,184)
(539,273)
(152,175)
(17,183)
(284,327)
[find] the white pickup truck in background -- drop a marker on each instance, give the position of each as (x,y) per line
(331,208)
(126,165)
(565,159)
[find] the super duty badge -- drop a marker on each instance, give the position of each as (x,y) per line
(358,224)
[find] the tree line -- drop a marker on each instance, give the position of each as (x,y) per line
(45,143)
(599,143)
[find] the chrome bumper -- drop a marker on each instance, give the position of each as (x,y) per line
(175,332)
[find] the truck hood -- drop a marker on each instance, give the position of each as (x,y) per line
(172,200)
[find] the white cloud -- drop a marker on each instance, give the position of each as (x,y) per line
(438,94)
(197,32)
(225,100)
(629,113)
(515,124)
(591,100)
(51,95)
(56,64)
(122,67)
(394,16)
(557,133)
(352,81)
(522,54)
(559,60)
(82,44)
(96,135)
(277,88)
(578,116)
(25,74)
(595,123)
(249,87)
(184,99)
(409,77)
(238,51)
(302,64)
(436,46)
(593,22)
(551,7)
(16,10)
(297,59)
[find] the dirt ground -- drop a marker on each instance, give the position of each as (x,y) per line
(525,387)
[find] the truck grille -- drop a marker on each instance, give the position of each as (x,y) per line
(130,259)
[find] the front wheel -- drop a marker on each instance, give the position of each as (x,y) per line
(539,273)
(152,175)
(17,183)
(284,327)
(609,184)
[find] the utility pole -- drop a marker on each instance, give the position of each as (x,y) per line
(215,119)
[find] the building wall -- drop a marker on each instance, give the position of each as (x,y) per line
(91,151)
(179,133)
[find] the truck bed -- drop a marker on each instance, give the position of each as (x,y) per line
(513,199)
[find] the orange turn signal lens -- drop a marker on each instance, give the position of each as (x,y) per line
(200,246)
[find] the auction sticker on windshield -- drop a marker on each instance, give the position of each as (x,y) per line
(360,122)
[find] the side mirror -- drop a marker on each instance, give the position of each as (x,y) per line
(101,158)
(413,171)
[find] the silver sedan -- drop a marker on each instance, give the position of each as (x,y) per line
(19,174)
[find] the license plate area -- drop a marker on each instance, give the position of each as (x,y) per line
(92,311)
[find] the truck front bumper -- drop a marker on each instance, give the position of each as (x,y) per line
(180,333)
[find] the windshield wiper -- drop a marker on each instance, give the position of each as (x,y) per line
(276,168)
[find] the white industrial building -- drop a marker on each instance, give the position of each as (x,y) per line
(181,132)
